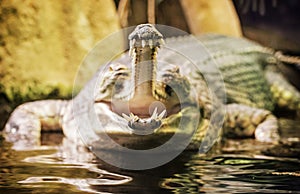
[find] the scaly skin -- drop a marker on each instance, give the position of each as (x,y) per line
(248,72)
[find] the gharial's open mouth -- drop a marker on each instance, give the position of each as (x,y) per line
(150,123)
(138,121)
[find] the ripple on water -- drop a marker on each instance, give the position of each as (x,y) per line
(236,174)
(240,168)
(58,169)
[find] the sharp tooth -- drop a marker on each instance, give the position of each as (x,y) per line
(143,43)
(133,42)
(135,118)
(154,114)
(131,115)
(151,43)
(131,47)
(162,114)
(131,122)
(161,42)
(126,117)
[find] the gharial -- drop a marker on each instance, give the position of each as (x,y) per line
(157,89)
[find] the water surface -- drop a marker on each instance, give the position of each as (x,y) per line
(240,166)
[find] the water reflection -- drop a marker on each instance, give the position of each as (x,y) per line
(244,166)
(239,166)
(53,168)
(236,174)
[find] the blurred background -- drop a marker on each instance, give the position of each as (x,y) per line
(42,43)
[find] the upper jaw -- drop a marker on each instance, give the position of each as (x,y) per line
(145,35)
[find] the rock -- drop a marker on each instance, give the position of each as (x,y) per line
(216,16)
(196,17)
(42,43)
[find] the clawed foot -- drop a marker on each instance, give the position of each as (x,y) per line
(148,124)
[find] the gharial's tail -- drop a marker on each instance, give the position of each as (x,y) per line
(295,60)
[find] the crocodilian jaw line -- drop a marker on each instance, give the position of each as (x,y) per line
(145,36)
(155,117)
(132,44)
